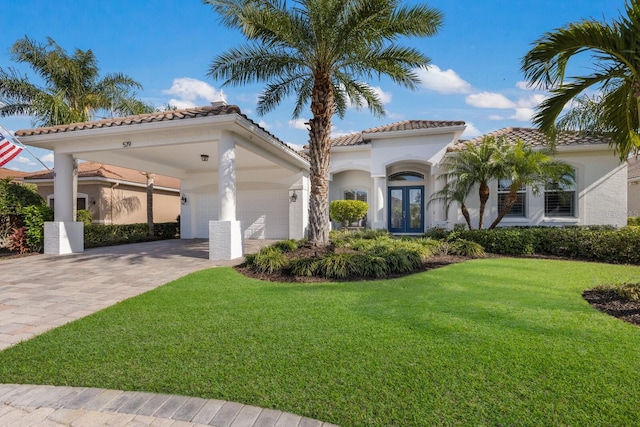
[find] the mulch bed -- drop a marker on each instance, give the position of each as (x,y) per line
(613,305)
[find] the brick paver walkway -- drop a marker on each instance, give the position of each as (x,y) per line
(41,292)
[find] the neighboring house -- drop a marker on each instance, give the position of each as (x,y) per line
(394,168)
(633,186)
(116,195)
(9,173)
(238,181)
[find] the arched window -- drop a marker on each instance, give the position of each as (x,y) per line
(406,176)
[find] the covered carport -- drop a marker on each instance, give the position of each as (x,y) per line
(237,180)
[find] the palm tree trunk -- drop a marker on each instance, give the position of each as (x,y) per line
(508,204)
(465,214)
(483,192)
(150,180)
(322,108)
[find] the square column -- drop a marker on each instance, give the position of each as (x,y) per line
(377,206)
(299,208)
(225,235)
(64,235)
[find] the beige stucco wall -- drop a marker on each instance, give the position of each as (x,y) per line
(123,204)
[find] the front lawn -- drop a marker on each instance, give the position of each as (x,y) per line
(484,342)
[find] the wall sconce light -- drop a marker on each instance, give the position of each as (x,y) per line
(183,200)
(204,157)
(293,197)
(92,201)
(126,144)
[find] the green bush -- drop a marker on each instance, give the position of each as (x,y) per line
(337,266)
(347,211)
(627,291)
(97,235)
(286,245)
(593,243)
(85,216)
(305,267)
(466,248)
(34,217)
(269,260)
(633,220)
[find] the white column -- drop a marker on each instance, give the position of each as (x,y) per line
(379,191)
(225,234)
(63,186)
(299,207)
(63,235)
(226,178)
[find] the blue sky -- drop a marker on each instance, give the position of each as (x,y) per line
(167,45)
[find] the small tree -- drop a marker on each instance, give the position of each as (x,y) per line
(347,211)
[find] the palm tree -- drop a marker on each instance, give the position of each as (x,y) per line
(616,74)
(525,167)
(455,191)
(73,91)
(321,50)
(474,164)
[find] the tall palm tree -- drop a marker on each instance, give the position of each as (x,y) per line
(525,167)
(454,192)
(615,73)
(321,51)
(73,90)
(474,165)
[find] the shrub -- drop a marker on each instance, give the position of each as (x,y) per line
(34,218)
(633,220)
(96,235)
(347,211)
(401,260)
(337,266)
(306,267)
(627,291)
(286,245)
(269,260)
(371,265)
(466,248)
(437,233)
(18,241)
(85,216)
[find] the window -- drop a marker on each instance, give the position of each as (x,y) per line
(81,202)
(559,200)
(355,195)
(519,208)
(406,176)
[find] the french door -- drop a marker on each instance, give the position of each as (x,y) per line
(406,209)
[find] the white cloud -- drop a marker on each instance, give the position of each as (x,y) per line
(47,158)
(531,101)
(523,114)
(298,124)
(263,125)
(442,81)
(25,160)
(489,100)
(385,97)
(524,85)
(188,92)
(471,131)
(495,117)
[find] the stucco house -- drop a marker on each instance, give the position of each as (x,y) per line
(238,181)
(115,195)
(633,186)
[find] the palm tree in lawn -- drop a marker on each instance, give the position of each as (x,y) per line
(473,165)
(73,90)
(615,74)
(524,166)
(322,51)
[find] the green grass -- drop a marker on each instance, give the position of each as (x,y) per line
(485,342)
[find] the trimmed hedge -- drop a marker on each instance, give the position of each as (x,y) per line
(592,243)
(97,235)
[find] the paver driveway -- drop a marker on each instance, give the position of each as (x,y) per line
(41,292)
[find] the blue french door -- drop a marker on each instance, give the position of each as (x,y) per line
(406,209)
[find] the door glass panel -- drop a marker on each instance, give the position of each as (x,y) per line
(396,208)
(415,208)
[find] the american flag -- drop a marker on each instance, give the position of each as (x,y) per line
(8,150)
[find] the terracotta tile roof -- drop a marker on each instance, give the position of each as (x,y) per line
(8,173)
(101,170)
(633,168)
(358,138)
(160,116)
(537,138)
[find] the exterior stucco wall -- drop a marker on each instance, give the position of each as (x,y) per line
(633,198)
(601,195)
(352,180)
